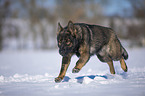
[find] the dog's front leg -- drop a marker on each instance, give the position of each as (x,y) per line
(84,57)
(64,66)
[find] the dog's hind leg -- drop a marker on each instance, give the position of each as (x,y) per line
(110,63)
(123,64)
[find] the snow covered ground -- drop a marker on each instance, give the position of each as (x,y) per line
(32,73)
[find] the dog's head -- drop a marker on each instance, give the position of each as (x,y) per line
(66,39)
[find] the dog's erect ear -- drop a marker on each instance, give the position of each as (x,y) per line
(60,28)
(71,28)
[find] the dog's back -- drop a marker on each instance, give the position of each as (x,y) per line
(102,41)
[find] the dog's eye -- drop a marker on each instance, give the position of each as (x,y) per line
(68,42)
(59,42)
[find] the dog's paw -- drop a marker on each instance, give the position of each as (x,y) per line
(126,69)
(75,70)
(58,80)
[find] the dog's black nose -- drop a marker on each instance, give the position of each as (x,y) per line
(63,52)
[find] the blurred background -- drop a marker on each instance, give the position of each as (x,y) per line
(32,24)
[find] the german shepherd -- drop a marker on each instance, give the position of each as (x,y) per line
(85,40)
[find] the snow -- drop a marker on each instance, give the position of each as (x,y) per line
(32,73)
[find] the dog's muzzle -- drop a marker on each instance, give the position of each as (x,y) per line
(63,52)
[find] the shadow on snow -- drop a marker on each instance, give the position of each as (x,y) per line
(80,79)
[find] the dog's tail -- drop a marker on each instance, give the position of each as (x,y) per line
(125,54)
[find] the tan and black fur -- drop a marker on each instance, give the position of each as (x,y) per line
(85,40)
